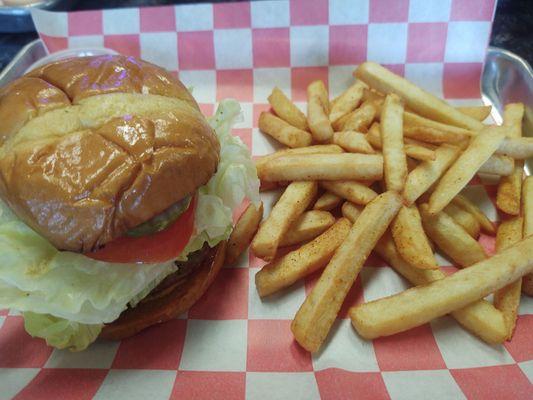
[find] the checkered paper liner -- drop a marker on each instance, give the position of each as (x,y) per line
(232,345)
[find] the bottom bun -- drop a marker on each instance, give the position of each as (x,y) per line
(171,304)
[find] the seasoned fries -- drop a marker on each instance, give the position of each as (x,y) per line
(420,101)
(411,240)
(347,101)
(301,262)
(351,211)
(318,149)
(354,142)
(467,205)
(324,167)
(243,232)
(283,132)
(287,210)
(480,317)
(428,172)
(358,120)
(455,179)
(328,201)
(412,148)
(352,191)
(477,112)
(317,112)
(319,310)
(417,127)
(307,227)
(417,306)
(507,299)
(394,161)
(451,238)
(464,218)
(498,165)
(286,110)
(385,135)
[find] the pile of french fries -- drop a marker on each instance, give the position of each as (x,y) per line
(381,167)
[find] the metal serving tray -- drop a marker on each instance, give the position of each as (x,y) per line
(506,78)
(18,19)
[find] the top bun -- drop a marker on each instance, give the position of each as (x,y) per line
(91,147)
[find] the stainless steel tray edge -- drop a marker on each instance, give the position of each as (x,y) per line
(29,54)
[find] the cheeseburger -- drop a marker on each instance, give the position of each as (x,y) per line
(117,197)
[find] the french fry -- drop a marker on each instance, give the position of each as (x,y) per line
(324,167)
(510,187)
(283,132)
(286,110)
(451,238)
(481,317)
(507,299)
(428,172)
(347,101)
(517,148)
(328,201)
(394,161)
(352,191)
(527,212)
(354,142)
(411,240)
(419,305)
(479,150)
(464,218)
(317,149)
(351,211)
(420,101)
(243,232)
(307,227)
(427,130)
(313,320)
(372,95)
(498,165)
(292,203)
(358,120)
(412,148)
(301,262)
(477,112)
(317,112)
(467,205)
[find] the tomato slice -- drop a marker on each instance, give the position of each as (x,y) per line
(159,247)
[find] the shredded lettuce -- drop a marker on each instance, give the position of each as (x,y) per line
(61,333)
(66,297)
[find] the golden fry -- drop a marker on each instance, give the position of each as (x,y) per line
(419,305)
(328,201)
(283,132)
(347,101)
(477,112)
(286,110)
(467,205)
(394,160)
(243,232)
(352,191)
(317,112)
(313,320)
(479,150)
(423,103)
(292,203)
(358,120)
(464,219)
(351,211)
(411,240)
(498,165)
(451,238)
(307,227)
(301,262)
(354,142)
(324,167)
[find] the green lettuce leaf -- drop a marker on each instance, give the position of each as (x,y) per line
(61,333)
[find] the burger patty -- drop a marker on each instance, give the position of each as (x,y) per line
(185,269)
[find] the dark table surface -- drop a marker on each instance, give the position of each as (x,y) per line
(511,30)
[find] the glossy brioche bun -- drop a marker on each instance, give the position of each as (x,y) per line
(91,147)
(171,304)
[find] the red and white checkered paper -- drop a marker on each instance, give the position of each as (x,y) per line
(232,345)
